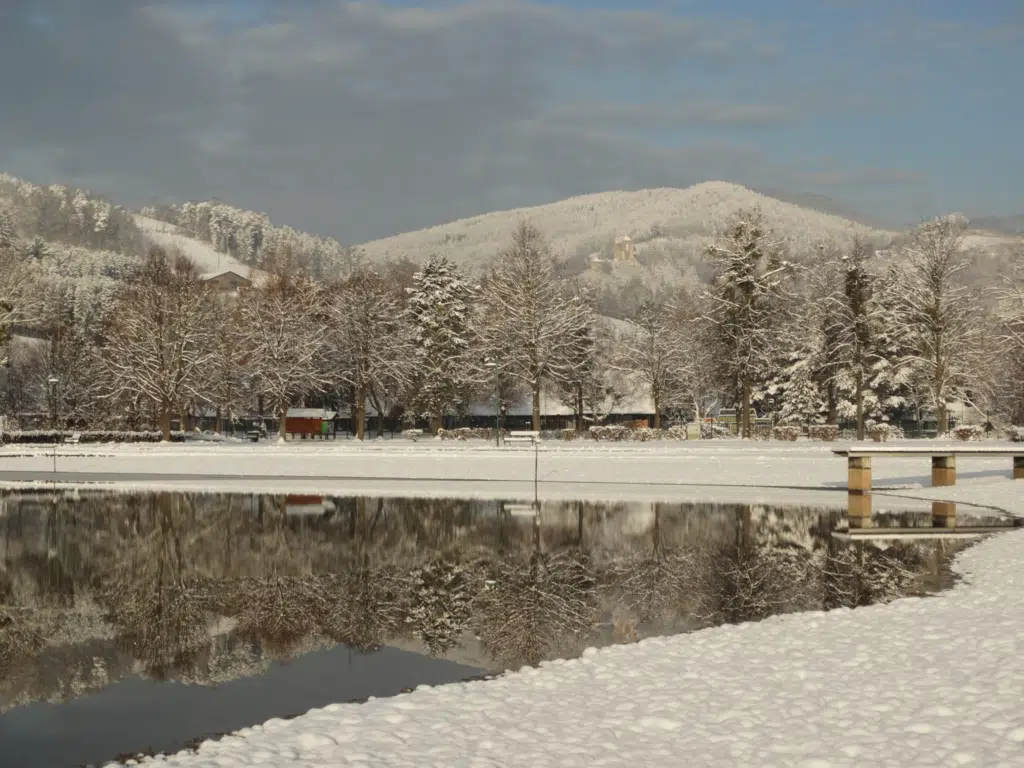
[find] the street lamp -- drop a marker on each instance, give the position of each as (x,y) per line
(490,365)
(54,383)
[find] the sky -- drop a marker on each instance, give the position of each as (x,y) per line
(359,120)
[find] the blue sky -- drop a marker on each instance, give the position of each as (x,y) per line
(359,120)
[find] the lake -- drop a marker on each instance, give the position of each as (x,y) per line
(142,622)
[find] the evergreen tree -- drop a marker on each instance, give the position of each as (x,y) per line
(439,315)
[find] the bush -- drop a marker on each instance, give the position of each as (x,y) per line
(760,431)
(468,433)
(787,432)
(50,436)
(412,434)
(645,434)
(825,432)
(1015,434)
(712,431)
(882,433)
(676,432)
(615,432)
(570,434)
(968,433)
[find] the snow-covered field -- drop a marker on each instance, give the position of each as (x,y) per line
(920,682)
(723,471)
(208,260)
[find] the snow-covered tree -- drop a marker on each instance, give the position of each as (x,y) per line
(649,349)
(282,342)
(158,342)
(370,342)
(938,313)
(745,302)
(439,307)
(440,605)
(529,321)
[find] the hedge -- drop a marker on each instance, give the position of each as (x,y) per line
(50,436)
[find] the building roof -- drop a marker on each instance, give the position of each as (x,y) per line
(213,275)
(311,413)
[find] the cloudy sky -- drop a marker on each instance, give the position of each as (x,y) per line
(363,119)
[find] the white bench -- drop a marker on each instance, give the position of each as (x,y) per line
(75,438)
(533,438)
(943,461)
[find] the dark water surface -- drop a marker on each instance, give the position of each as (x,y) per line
(141,622)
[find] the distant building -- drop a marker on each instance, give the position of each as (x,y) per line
(310,423)
(595,262)
(225,281)
(624,250)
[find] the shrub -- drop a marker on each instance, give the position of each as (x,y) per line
(968,433)
(1015,434)
(615,432)
(412,434)
(570,434)
(824,432)
(712,431)
(675,432)
(50,436)
(787,432)
(645,434)
(760,431)
(882,433)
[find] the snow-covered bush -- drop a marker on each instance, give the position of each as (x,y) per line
(644,434)
(1015,434)
(676,432)
(787,432)
(824,432)
(760,431)
(412,434)
(968,433)
(50,436)
(882,433)
(616,432)
(570,434)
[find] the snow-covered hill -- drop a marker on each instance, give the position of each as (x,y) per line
(669,222)
(208,260)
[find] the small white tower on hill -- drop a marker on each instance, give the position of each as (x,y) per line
(624,251)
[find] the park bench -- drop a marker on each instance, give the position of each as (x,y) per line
(75,439)
(943,458)
(533,438)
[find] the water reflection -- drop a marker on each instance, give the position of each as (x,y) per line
(207,588)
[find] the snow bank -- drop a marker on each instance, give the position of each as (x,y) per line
(931,681)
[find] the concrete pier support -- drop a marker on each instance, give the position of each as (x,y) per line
(859,473)
(943,514)
(1018,467)
(943,470)
(858,510)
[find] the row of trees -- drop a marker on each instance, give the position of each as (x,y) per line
(851,335)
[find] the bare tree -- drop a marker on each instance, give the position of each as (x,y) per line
(159,340)
(281,341)
(745,301)
(529,320)
(649,348)
(939,313)
(370,342)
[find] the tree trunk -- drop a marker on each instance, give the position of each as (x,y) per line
(220,422)
(165,423)
(833,405)
(282,423)
(536,407)
(360,412)
(942,414)
(859,395)
(579,408)
(746,409)
(259,404)
(435,424)
(657,412)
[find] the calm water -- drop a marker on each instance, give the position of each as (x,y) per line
(141,622)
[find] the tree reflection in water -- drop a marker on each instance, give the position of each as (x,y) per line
(205,588)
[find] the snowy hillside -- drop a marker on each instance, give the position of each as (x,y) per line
(207,259)
(672,222)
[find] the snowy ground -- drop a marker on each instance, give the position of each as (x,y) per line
(207,259)
(929,681)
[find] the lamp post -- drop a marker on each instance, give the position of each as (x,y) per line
(490,365)
(54,383)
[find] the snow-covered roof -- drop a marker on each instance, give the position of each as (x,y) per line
(211,275)
(311,413)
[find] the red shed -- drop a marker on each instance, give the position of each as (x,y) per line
(310,423)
